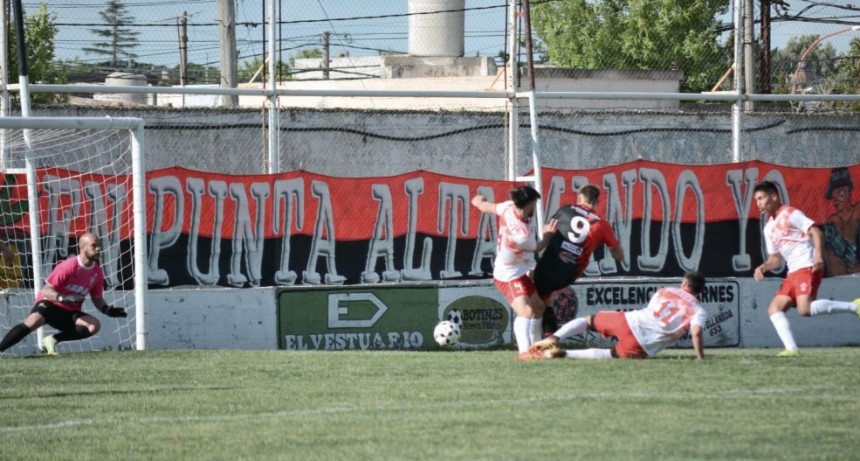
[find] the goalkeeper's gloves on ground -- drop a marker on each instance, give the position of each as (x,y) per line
(70,298)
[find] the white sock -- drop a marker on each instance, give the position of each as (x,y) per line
(829,306)
(574,327)
(783,329)
(591,354)
(522,334)
(535,330)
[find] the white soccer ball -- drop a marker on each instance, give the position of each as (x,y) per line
(447,333)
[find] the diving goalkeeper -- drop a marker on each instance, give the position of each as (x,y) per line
(59,302)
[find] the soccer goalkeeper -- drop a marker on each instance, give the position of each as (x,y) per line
(59,302)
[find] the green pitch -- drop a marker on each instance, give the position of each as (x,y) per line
(476,405)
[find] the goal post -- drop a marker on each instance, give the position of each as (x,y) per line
(62,177)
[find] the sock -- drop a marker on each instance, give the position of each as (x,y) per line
(79,332)
(535,330)
(17,333)
(829,306)
(783,329)
(590,354)
(574,327)
(522,334)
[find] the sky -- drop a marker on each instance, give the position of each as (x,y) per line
(304,21)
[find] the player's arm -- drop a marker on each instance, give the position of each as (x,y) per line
(617,253)
(479,202)
(772,262)
(109,310)
(698,341)
(818,244)
(51,294)
(548,231)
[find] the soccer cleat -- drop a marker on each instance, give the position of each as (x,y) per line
(857,303)
(533,353)
(789,353)
(553,353)
(544,344)
(50,345)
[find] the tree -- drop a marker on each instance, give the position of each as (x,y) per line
(121,39)
(848,68)
(635,34)
(819,64)
(39,32)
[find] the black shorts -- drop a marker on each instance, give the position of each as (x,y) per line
(546,283)
(56,317)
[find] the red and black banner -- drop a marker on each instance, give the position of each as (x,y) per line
(304,228)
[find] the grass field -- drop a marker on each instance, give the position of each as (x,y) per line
(475,405)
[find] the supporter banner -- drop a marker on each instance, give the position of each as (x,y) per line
(303,228)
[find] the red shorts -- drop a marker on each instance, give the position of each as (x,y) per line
(801,282)
(613,324)
(521,286)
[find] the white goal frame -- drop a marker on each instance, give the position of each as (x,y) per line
(135,126)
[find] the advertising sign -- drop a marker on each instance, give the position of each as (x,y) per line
(389,317)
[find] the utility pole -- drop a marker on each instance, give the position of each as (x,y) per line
(227,19)
(325,59)
(764,72)
(749,58)
(183,49)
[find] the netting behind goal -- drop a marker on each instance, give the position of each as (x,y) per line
(85,180)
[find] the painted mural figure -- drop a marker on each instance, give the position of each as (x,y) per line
(842,230)
(642,333)
(792,237)
(579,232)
(515,259)
(59,302)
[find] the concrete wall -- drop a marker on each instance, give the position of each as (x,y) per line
(246,318)
(351,143)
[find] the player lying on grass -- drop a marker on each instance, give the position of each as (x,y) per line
(642,333)
(59,302)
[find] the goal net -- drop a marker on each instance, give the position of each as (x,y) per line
(63,177)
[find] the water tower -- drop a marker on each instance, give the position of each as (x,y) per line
(436,34)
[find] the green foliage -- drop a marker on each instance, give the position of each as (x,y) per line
(10,213)
(636,34)
(819,63)
(39,32)
(120,39)
(458,405)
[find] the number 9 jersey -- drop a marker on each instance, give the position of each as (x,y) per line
(580,230)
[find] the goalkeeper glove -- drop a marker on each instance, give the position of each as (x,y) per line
(70,298)
(111,311)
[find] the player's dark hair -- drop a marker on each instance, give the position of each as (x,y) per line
(590,193)
(768,187)
(695,281)
(523,195)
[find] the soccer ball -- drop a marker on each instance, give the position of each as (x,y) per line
(456,317)
(447,333)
